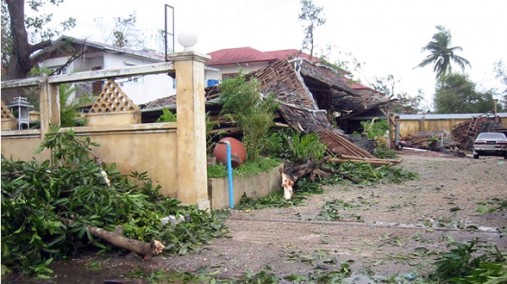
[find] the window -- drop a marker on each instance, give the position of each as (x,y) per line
(229,76)
(97,85)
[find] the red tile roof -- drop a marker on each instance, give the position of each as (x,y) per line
(282,54)
(249,55)
(238,55)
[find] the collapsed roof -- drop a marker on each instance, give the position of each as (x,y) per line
(309,94)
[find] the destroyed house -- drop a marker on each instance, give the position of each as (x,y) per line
(319,94)
(312,97)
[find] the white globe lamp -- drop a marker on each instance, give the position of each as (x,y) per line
(187,40)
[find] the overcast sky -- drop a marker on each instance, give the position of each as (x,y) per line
(385,35)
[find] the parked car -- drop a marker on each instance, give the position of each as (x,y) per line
(490,144)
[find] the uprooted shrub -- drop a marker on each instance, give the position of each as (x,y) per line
(47,207)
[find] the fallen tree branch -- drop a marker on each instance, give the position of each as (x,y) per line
(291,173)
(147,250)
(116,238)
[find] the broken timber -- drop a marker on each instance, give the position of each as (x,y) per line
(372,161)
(338,144)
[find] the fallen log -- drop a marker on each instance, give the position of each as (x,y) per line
(146,250)
(116,238)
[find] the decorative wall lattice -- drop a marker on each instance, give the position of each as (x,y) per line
(113,99)
(6,112)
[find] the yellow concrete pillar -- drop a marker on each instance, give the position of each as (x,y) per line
(49,105)
(191,134)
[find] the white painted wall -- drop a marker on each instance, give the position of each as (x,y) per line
(139,89)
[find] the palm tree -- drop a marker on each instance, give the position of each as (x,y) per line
(441,54)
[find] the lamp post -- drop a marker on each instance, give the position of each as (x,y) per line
(21,108)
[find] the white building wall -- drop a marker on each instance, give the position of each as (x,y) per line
(235,68)
(141,89)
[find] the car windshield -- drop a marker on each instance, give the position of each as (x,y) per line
(491,136)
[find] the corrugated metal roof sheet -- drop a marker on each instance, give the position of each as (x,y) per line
(435,116)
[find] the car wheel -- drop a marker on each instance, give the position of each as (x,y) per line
(476,156)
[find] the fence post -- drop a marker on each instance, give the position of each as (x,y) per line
(49,105)
(191,133)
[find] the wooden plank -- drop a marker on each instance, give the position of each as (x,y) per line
(344,158)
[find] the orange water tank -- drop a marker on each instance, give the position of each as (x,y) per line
(238,152)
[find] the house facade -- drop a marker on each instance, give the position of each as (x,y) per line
(70,55)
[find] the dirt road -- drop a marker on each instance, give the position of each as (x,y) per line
(379,230)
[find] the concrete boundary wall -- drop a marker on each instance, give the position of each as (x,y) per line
(137,147)
(255,187)
(174,154)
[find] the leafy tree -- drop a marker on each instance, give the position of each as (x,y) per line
(456,93)
(405,103)
(442,54)
(23,35)
(124,32)
(311,17)
(501,73)
(343,62)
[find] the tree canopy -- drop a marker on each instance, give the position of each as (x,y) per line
(24,35)
(405,103)
(311,17)
(501,74)
(442,54)
(456,93)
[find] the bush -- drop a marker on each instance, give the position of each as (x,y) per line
(242,100)
(374,128)
(295,147)
(167,116)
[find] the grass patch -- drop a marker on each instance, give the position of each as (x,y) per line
(261,165)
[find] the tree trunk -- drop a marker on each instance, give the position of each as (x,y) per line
(291,173)
(20,62)
(147,250)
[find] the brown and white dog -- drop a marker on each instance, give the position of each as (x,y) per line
(287,184)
